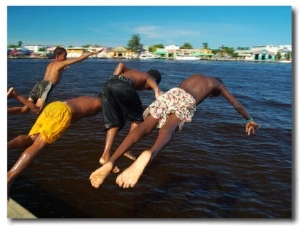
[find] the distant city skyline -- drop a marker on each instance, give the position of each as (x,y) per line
(112,26)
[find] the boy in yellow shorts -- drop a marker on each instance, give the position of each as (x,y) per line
(49,126)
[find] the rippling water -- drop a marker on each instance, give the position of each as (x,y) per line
(211,169)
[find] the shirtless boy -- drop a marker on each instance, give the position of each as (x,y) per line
(49,126)
(121,102)
(169,112)
(42,89)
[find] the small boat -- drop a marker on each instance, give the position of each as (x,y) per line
(186,58)
(285,61)
(147,55)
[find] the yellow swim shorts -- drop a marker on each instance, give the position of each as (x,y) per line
(52,122)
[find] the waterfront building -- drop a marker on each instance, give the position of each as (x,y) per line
(244,54)
(172,51)
(120,53)
(74,52)
(265,52)
(37,48)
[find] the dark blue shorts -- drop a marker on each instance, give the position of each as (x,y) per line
(121,102)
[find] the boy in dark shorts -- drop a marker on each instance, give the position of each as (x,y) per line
(121,102)
(42,89)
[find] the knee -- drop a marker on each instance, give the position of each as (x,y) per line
(25,110)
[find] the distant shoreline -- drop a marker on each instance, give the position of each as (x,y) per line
(204,59)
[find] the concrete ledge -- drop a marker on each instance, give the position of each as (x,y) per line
(16,211)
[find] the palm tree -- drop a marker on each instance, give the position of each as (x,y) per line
(186,45)
(134,43)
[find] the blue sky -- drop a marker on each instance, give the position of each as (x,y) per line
(228,26)
(112,26)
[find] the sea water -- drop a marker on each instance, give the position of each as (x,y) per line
(211,169)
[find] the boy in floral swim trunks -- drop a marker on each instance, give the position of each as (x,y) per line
(42,89)
(169,112)
(49,126)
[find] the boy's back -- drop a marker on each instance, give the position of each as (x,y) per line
(53,72)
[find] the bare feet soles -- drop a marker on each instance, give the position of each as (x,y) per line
(10,92)
(98,176)
(129,155)
(130,176)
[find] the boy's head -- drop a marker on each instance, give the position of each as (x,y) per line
(155,74)
(59,51)
(216,93)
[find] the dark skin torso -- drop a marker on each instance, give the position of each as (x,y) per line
(84,106)
(201,87)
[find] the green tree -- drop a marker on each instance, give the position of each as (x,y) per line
(134,43)
(278,56)
(20,43)
(243,48)
(228,50)
(205,45)
(186,45)
(288,56)
(154,47)
(86,46)
(12,46)
(215,51)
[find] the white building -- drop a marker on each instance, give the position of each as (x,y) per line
(172,47)
(36,48)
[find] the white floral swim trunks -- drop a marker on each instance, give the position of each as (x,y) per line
(176,101)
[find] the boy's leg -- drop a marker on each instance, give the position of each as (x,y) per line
(25,160)
(146,127)
(18,110)
(128,154)
(130,176)
(28,103)
(20,142)
(110,137)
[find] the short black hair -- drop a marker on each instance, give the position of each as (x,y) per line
(217,93)
(155,74)
(59,50)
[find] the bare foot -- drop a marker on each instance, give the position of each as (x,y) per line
(102,161)
(11,92)
(98,176)
(130,176)
(104,158)
(116,170)
(129,155)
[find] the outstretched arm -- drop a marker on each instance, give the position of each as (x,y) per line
(152,83)
(81,58)
(251,125)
